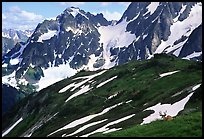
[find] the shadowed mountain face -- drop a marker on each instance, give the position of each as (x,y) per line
(10,96)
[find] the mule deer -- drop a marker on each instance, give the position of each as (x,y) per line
(165,117)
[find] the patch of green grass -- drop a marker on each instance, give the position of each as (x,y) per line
(181,126)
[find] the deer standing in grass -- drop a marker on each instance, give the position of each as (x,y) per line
(165,117)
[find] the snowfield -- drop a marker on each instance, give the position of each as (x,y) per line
(55,74)
(172,109)
(114,37)
(178,29)
(48,35)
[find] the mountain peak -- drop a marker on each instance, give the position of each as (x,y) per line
(74,11)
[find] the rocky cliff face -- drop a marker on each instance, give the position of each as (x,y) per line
(161,27)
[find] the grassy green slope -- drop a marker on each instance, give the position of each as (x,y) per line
(182,126)
(137,81)
(187,124)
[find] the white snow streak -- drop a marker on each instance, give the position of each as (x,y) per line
(29,135)
(103,83)
(8,130)
(105,128)
(84,119)
(112,96)
(168,73)
(76,85)
(179,46)
(112,130)
(196,87)
(6,35)
(74,12)
(83,90)
(86,126)
(193,89)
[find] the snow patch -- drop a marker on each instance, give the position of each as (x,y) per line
(10,79)
(4,65)
(128,101)
(168,73)
(180,12)
(144,36)
(172,109)
(179,46)
(103,83)
(92,60)
(112,96)
(23,81)
(152,7)
(48,35)
(194,54)
(14,61)
(193,89)
(196,87)
(55,74)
